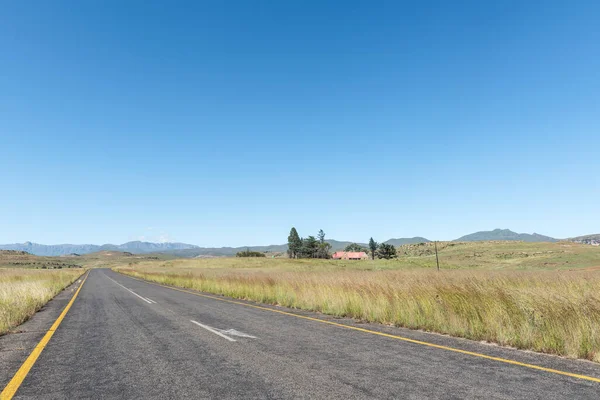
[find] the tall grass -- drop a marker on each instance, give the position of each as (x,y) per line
(545,311)
(23,292)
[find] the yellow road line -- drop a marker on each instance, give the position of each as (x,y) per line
(14,384)
(402,338)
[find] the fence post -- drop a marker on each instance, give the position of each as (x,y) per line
(437,260)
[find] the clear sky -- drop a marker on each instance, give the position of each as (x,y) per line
(226,123)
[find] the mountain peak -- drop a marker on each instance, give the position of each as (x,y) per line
(504,234)
(403,241)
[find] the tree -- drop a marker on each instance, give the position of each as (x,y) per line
(373,247)
(321,236)
(386,251)
(310,247)
(355,247)
(324,247)
(324,250)
(294,244)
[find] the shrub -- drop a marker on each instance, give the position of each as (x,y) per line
(248,253)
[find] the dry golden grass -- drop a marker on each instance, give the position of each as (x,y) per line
(555,312)
(24,291)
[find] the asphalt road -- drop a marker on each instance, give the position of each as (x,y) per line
(128,339)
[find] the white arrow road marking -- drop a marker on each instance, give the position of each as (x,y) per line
(216,332)
(233,332)
(223,333)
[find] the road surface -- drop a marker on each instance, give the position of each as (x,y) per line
(127,339)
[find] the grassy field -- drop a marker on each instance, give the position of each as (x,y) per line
(21,259)
(544,297)
(503,255)
(24,291)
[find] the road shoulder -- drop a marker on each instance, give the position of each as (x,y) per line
(16,345)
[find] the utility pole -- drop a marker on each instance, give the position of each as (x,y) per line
(437,260)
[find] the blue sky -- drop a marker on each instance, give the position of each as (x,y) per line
(226,123)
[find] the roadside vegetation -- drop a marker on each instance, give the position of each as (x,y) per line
(24,291)
(539,296)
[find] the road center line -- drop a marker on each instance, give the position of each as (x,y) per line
(216,332)
(129,290)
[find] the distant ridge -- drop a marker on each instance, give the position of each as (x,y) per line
(504,234)
(190,250)
(403,241)
(176,249)
(65,249)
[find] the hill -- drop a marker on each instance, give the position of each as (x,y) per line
(104,258)
(403,241)
(594,239)
(22,259)
(504,234)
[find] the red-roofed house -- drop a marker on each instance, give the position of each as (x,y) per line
(350,255)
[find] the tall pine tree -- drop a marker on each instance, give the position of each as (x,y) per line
(321,236)
(324,247)
(294,244)
(373,245)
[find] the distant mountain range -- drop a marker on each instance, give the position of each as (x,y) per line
(64,249)
(190,250)
(177,249)
(504,234)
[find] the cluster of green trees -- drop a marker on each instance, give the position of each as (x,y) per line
(248,253)
(317,247)
(310,247)
(355,247)
(382,250)
(379,250)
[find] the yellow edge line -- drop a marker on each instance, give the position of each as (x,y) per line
(14,384)
(405,339)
